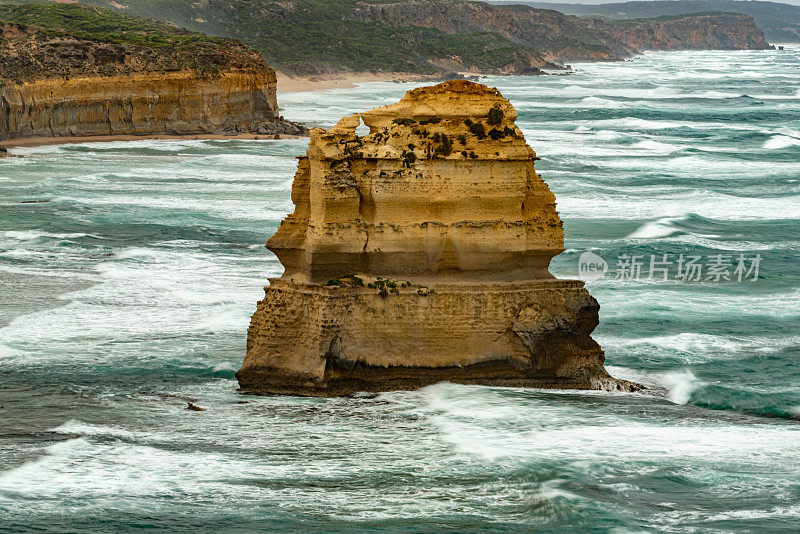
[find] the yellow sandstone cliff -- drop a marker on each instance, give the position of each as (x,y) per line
(419,253)
(167,81)
(173,102)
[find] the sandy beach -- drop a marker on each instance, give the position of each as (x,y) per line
(295,84)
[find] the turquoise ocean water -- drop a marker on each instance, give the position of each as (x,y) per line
(126,290)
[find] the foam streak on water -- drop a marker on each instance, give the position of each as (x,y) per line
(127,289)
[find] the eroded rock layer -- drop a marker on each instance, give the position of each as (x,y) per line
(417,253)
(172,103)
(54,84)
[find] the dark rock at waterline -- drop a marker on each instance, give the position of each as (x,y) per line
(279,127)
(194,407)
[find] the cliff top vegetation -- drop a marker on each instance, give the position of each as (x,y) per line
(306,37)
(69,39)
(311,37)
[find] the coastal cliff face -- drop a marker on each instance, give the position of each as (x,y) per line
(555,36)
(54,83)
(419,253)
(172,103)
(558,37)
(715,31)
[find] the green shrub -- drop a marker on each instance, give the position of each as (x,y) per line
(409,158)
(477,129)
(495,116)
(445,147)
(432,120)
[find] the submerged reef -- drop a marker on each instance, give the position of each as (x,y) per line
(419,253)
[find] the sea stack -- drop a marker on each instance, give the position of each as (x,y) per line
(419,253)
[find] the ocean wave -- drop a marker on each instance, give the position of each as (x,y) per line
(778,142)
(9,352)
(628,204)
(627,302)
(687,223)
(31,235)
(601,102)
(656,146)
(80,428)
(235,209)
(679,384)
(663,227)
(540,428)
(697,347)
(52,271)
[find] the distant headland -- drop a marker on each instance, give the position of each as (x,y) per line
(426,37)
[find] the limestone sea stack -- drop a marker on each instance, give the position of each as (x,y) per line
(418,253)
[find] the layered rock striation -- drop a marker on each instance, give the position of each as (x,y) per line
(151,80)
(179,102)
(419,253)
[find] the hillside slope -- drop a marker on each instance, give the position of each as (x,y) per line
(780,22)
(558,37)
(430,36)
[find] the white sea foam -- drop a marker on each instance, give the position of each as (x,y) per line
(666,227)
(778,142)
(656,146)
(696,347)
(711,205)
(8,352)
(593,101)
(29,235)
(679,384)
(85,429)
(596,438)
(628,301)
(145,294)
(468,447)
(663,227)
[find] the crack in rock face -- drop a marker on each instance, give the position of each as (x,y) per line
(419,252)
